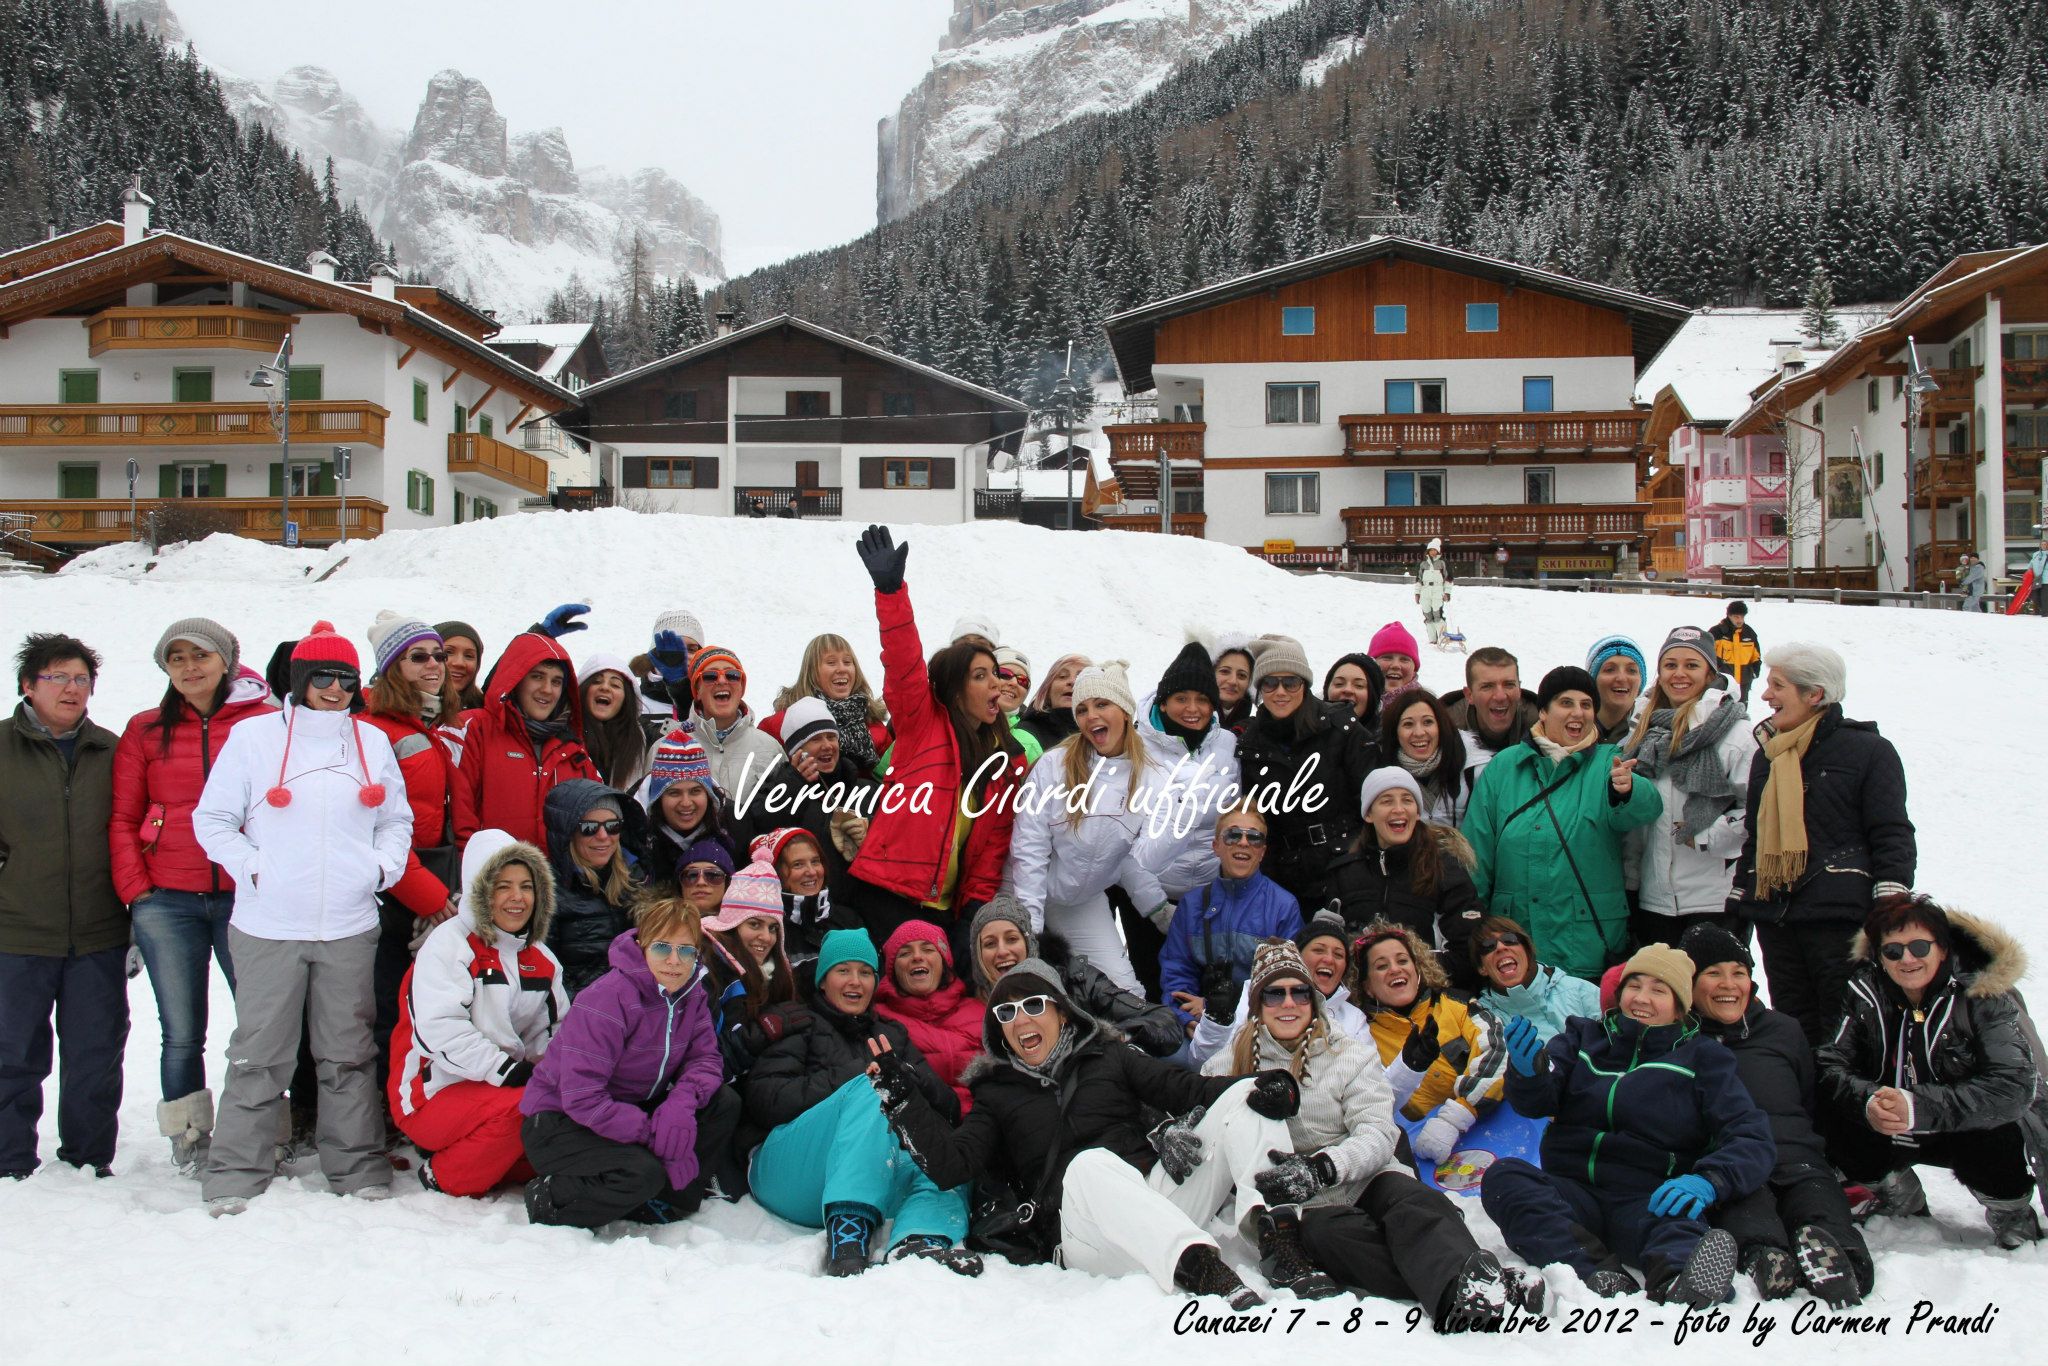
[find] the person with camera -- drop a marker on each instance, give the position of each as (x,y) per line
(1209,944)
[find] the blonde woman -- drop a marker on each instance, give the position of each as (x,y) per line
(596,878)
(831,673)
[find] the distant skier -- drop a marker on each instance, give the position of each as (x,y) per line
(1974,583)
(1738,648)
(1433,590)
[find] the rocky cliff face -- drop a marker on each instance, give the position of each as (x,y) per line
(503,219)
(1008,70)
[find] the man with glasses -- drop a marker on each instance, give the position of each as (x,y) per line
(63,929)
(1207,957)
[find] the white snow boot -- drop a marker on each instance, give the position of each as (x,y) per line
(188,1123)
(1899,1195)
(2012,1222)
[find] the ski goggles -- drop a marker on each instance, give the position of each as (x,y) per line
(1030,1005)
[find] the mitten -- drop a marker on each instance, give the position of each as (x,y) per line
(1438,1137)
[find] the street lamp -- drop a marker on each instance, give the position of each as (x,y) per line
(344,463)
(275,380)
(1918,383)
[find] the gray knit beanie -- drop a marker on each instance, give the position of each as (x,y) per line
(1001,906)
(206,634)
(1280,655)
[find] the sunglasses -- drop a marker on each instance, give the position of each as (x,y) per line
(703,872)
(334,678)
(427,657)
(1282,683)
(1007,675)
(1030,1005)
(610,827)
(662,950)
(1919,948)
(721,676)
(1508,940)
(1274,996)
(1238,834)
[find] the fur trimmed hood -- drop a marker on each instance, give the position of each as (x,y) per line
(1986,958)
(479,874)
(1452,841)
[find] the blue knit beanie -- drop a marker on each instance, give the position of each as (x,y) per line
(845,946)
(1607,647)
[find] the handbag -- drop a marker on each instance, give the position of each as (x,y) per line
(1001,1224)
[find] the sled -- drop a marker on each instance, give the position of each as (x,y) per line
(1450,640)
(2021,595)
(1500,1133)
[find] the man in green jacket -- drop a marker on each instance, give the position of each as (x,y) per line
(63,929)
(1547,820)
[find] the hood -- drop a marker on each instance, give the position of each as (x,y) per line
(625,956)
(483,858)
(599,663)
(565,805)
(1046,978)
(525,651)
(1985,958)
(1428,968)
(247,687)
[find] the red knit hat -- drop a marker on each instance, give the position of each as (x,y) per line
(909,932)
(326,646)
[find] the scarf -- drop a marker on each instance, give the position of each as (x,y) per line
(850,715)
(1557,753)
(540,732)
(1781,811)
(1191,738)
(1048,1071)
(430,706)
(1693,766)
(1421,770)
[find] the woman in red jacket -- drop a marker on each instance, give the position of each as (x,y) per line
(180,900)
(941,826)
(918,989)
(526,738)
(409,696)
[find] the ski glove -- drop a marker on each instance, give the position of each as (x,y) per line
(671,658)
(883,558)
(1294,1178)
(1525,1047)
(1421,1049)
(773,1023)
(892,1082)
(1275,1094)
(675,1136)
(518,1074)
(562,620)
(1178,1146)
(1438,1137)
(1682,1197)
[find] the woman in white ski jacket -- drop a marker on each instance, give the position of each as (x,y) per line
(1068,848)
(1695,742)
(306,809)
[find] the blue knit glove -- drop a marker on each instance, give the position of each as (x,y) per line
(1682,1197)
(671,657)
(1525,1046)
(562,620)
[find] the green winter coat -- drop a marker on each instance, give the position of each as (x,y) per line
(1522,871)
(57,894)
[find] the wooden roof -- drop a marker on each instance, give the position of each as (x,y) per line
(37,257)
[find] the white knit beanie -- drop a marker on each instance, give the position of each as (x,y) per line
(601,662)
(1386,780)
(682,623)
(972,625)
(1106,682)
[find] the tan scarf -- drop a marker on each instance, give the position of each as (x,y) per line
(1557,753)
(1781,814)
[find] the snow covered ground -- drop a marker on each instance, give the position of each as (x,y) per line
(132,1270)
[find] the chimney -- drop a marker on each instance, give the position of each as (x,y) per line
(725,317)
(383,280)
(322,266)
(135,207)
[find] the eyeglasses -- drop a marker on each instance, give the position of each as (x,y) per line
(663,951)
(66,680)
(1282,683)
(427,657)
(703,872)
(721,676)
(1274,996)
(1507,940)
(1030,1005)
(1239,834)
(610,827)
(1919,948)
(344,679)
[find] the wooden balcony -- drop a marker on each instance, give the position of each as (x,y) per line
(1194,524)
(1665,514)
(2026,382)
(1939,563)
(1668,561)
(1957,394)
(770,500)
(187,329)
(1943,479)
(1481,438)
(472,453)
(185,424)
(1487,524)
(2023,468)
(97,521)
(1135,448)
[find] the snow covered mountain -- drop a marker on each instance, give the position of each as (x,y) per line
(1008,70)
(501,218)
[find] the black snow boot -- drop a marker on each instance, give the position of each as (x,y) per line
(1526,1290)
(1201,1271)
(1708,1276)
(849,1230)
(1478,1300)
(932,1248)
(1607,1283)
(2012,1222)
(1773,1270)
(1825,1268)
(1285,1261)
(540,1205)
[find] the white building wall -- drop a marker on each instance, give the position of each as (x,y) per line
(838,467)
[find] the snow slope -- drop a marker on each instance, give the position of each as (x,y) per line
(132,1270)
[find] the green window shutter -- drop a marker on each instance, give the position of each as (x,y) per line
(217,482)
(167,481)
(325,483)
(419,400)
(461,418)
(412,490)
(427,482)
(276,480)
(78,481)
(483,425)
(78,386)
(192,386)
(306,384)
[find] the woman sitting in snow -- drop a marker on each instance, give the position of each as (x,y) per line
(1443,1055)
(750,973)
(920,991)
(808,910)
(1002,937)
(1326,952)
(1504,956)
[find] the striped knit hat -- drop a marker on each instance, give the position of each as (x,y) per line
(391,633)
(715,657)
(677,756)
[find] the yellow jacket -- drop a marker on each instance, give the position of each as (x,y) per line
(1475,1085)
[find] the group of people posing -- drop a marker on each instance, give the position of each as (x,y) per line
(1005,962)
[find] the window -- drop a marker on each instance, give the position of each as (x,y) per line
(1414,488)
(1539,394)
(807,403)
(2022,511)
(1482,317)
(482,508)
(680,406)
(1297,322)
(419,400)
(1770,524)
(2026,431)
(1870,396)
(671,473)
(306,385)
(484,426)
(1879,457)
(897,405)
(1293,495)
(1959,355)
(461,506)
(1415,395)
(1187,501)
(2026,345)
(1816,413)
(1898,386)
(419,491)
(906,474)
(306,479)
(1539,486)
(78,386)
(1294,403)
(78,481)
(461,419)
(1389,319)
(192,386)
(196,481)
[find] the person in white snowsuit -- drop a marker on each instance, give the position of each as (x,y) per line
(1433,590)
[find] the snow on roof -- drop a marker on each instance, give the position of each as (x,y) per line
(564,338)
(1049,485)
(1721,354)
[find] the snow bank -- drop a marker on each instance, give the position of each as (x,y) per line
(120,1270)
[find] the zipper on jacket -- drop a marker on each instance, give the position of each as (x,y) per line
(205,772)
(668,1035)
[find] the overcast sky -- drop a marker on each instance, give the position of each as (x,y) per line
(766,109)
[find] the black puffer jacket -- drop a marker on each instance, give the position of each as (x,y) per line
(585,922)
(812,1060)
(1777,1069)
(1969,1055)
(1857,831)
(1149,1025)
(784,800)
(1379,884)
(1048,727)
(1308,786)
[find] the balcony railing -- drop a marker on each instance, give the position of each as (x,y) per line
(474,453)
(77,521)
(998,502)
(829,430)
(772,500)
(184,424)
(1194,524)
(186,329)
(1957,391)
(581,498)
(546,437)
(1939,562)
(2023,468)
(2026,381)
(1135,448)
(1665,513)
(1506,524)
(1616,435)
(1944,478)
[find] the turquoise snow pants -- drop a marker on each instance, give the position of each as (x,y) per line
(842,1152)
